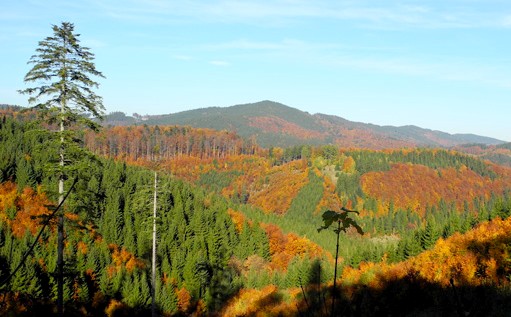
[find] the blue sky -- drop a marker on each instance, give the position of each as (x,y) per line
(443,65)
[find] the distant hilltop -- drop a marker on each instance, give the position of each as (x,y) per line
(275,124)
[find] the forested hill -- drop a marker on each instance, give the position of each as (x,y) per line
(271,124)
(237,227)
(275,124)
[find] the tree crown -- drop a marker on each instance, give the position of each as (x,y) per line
(62,69)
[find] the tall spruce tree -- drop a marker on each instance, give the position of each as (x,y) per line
(65,97)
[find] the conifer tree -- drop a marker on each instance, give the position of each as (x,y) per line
(61,72)
(429,235)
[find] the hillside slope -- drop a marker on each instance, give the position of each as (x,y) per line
(275,124)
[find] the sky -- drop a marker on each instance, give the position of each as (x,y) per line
(443,65)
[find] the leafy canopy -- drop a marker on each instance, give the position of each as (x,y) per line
(342,218)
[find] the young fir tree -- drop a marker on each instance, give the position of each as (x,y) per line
(64,96)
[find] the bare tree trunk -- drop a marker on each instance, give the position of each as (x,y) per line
(153,275)
(60,226)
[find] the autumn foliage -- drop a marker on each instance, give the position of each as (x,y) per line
(284,247)
(26,207)
(475,260)
(238,218)
(478,257)
(415,186)
(278,125)
(282,185)
(122,258)
(150,143)
(263,302)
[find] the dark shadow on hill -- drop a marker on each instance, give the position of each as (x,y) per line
(409,296)
(412,295)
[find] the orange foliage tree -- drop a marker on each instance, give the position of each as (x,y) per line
(122,258)
(284,247)
(264,302)
(27,206)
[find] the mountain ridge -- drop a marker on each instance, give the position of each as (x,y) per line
(276,124)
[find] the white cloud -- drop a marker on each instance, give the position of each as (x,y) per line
(366,14)
(384,14)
